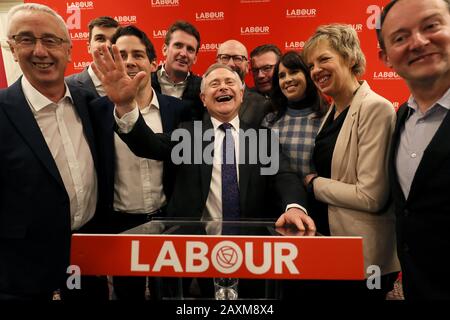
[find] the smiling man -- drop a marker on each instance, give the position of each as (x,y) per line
(254,106)
(175,78)
(50,168)
(414,39)
(141,186)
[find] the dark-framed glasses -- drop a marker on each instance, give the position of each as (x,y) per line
(264,69)
(29,40)
(225,58)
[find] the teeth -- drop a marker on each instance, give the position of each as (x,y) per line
(132,74)
(223,98)
(324,79)
(42,65)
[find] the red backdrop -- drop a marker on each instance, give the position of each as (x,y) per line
(2,73)
(286,23)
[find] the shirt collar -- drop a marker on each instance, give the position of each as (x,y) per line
(36,99)
(443,101)
(95,80)
(234,122)
(154,103)
(163,73)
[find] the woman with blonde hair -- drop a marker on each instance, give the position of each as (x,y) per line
(350,182)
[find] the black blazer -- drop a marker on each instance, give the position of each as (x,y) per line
(258,193)
(191,94)
(254,108)
(83,80)
(423,219)
(35,226)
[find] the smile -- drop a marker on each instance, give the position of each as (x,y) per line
(42,66)
(224,98)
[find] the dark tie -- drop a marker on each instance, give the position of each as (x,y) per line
(230,188)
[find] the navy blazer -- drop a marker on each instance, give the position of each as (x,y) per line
(35,228)
(423,219)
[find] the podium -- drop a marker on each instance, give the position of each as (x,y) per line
(172,249)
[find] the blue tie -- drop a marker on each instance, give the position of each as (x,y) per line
(230,188)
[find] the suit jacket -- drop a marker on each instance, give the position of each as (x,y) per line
(35,228)
(254,108)
(358,191)
(83,80)
(257,192)
(172,111)
(423,218)
(191,94)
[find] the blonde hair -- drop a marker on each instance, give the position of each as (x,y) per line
(343,39)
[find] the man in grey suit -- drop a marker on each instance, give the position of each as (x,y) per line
(254,106)
(101,30)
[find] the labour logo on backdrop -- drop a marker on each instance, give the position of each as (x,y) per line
(208,47)
(301,13)
(294,45)
(210,16)
(255,30)
(125,20)
(164,3)
(82,5)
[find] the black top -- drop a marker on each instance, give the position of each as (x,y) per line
(322,156)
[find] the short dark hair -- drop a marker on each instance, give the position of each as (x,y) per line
(104,22)
(292,60)
(132,30)
(266,48)
(185,27)
(383,15)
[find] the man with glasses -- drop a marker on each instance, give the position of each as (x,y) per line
(48,178)
(254,107)
(101,30)
(263,59)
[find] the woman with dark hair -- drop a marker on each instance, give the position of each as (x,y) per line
(299,109)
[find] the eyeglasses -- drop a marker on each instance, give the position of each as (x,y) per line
(30,40)
(225,58)
(264,69)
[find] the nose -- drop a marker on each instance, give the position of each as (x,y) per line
(314,70)
(39,49)
(108,43)
(129,61)
(418,40)
(231,63)
(183,51)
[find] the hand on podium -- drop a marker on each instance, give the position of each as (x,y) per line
(296,218)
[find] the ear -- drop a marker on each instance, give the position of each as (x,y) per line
(89,48)
(153,65)
(195,58)
(164,50)
(203,98)
(383,57)
(13,51)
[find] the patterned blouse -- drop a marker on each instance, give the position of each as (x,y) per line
(297,129)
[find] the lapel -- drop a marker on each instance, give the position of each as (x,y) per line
(166,113)
(23,119)
(206,169)
(244,167)
(344,138)
(402,114)
(80,104)
(436,152)
(244,105)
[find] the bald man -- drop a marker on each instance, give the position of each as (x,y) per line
(254,106)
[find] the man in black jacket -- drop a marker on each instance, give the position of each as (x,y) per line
(175,78)
(415,41)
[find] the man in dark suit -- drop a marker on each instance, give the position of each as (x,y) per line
(254,106)
(141,186)
(101,30)
(49,177)
(199,184)
(415,41)
(175,78)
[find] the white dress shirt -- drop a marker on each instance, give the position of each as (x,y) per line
(63,131)
(168,87)
(97,83)
(138,182)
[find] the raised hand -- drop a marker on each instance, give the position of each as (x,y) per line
(119,87)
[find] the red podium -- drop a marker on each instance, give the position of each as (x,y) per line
(250,250)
